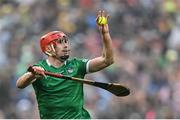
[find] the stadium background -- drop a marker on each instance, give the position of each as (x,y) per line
(146,39)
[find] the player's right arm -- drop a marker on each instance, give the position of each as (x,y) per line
(29,77)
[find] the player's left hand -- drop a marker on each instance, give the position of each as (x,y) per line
(102,28)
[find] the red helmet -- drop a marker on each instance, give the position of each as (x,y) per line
(50,37)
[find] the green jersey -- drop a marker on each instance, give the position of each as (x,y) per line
(60,98)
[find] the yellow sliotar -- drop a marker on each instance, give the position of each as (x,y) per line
(102,20)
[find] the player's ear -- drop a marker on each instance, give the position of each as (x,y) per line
(48,50)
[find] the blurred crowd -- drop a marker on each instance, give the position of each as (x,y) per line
(146,40)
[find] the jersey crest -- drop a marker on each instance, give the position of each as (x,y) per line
(70,70)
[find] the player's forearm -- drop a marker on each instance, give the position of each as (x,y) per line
(107,48)
(25,80)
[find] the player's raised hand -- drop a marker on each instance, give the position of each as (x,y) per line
(102,21)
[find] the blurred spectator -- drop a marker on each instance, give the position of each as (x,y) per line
(146,37)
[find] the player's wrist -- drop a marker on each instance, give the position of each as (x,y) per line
(105,32)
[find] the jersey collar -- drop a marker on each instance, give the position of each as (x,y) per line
(49,64)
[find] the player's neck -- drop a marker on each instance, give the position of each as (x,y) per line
(55,62)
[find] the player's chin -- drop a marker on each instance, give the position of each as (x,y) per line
(63,58)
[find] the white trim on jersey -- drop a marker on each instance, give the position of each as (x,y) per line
(87,66)
(47,61)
